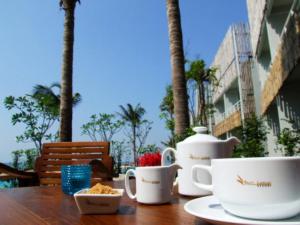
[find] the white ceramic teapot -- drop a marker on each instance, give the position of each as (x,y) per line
(198,149)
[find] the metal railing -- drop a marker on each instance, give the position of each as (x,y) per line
(222,116)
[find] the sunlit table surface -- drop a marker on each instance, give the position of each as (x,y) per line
(49,205)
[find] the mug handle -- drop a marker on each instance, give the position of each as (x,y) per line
(127,184)
(164,154)
(208,169)
(174,188)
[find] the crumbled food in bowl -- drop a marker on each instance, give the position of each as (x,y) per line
(102,189)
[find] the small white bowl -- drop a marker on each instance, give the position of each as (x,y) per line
(97,203)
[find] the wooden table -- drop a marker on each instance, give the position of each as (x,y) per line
(49,205)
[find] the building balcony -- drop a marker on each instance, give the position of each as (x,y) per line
(225,81)
(228,121)
(223,116)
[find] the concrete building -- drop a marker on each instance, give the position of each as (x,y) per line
(233,97)
(275,38)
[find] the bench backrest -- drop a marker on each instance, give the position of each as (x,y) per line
(54,155)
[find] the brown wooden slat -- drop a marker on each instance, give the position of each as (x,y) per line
(57,181)
(65,162)
(54,174)
(50,181)
(49,168)
(50,175)
(73,156)
(76,150)
(74,144)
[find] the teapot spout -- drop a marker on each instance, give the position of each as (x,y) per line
(231,142)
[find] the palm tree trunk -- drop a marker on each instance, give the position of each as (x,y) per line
(67,73)
(134,147)
(203,105)
(199,104)
(177,63)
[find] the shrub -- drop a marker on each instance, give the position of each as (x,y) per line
(253,135)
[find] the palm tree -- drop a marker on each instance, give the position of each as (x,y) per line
(133,117)
(67,71)
(201,76)
(177,63)
(50,99)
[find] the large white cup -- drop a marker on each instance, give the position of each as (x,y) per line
(154,184)
(257,188)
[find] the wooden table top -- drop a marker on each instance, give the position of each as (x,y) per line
(49,205)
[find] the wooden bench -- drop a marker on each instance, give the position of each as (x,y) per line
(24,178)
(54,155)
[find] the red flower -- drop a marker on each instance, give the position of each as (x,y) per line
(150,159)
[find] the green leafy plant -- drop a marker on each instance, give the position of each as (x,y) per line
(30,156)
(35,115)
(102,127)
(24,159)
(148,149)
(167,113)
(288,141)
(17,159)
(253,135)
(198,79)
(118,150)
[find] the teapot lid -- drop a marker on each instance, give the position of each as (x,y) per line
(200,136)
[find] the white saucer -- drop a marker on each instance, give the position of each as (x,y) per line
(209,209)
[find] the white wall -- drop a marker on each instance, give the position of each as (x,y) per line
(274,27)
(272,124)
(256,10)
(288,105)
(231,97)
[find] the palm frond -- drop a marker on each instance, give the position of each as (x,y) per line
(76,99)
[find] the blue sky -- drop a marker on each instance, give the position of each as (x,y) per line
(121,53)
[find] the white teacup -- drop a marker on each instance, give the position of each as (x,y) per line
(257,188)
(154,184)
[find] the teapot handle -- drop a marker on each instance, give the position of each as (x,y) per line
(165,154)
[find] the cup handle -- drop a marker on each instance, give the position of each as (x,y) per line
(175,186)
(175,183)
(164,155)
(206,187)
(127,183)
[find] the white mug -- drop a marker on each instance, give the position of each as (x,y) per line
(154,184)
(256,188)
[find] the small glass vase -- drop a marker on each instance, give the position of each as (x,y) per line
(75,178)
